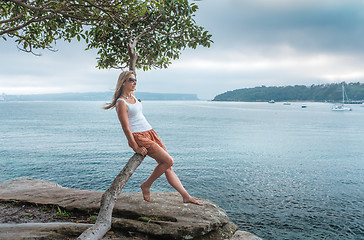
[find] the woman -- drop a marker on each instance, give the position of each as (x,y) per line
(142,138)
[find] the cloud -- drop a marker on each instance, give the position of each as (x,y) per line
(69,70)
(286,60)
(311,25)
(229,70)
(256,42)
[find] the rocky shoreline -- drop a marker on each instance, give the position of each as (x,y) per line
(25,215)
(35,209)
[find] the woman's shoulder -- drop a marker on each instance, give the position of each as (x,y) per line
(120,100)
(120,103)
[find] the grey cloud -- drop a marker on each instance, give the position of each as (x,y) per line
(324,26)
(249,31)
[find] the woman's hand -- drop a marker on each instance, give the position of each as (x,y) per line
(142,151)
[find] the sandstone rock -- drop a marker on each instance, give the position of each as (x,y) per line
(242,235)
(37,231)
(166,217)
(224,232)
(50,231)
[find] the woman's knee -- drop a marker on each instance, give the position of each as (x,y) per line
(169,162)
(169,170)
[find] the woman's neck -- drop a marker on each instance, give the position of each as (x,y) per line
(126,94)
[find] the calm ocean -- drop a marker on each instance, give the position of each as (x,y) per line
(280,171)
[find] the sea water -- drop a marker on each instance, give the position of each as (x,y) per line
(279,171)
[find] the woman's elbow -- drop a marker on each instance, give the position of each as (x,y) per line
(127,131)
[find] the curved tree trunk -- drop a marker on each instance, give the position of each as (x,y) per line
(108,199)
(133,56)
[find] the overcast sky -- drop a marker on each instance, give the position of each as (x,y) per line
(256,42)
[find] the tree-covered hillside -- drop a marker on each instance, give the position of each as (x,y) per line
(319,93)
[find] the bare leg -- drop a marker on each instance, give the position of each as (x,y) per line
(174,181)
(164,162)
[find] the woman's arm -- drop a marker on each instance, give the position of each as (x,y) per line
(122,111)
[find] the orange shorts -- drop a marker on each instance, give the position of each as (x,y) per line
(148,139)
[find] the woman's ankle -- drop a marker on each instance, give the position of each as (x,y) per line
(145,185)
(186,196)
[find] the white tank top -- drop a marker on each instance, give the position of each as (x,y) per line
(137,121)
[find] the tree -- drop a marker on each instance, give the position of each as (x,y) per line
(137,34)
(130,33)
(324,92)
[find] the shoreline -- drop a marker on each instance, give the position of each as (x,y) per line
(34,208)
(21,213)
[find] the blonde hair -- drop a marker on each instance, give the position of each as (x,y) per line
(119,88)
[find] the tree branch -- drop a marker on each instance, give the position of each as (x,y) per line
(12,19)
(118,21)
(154,25)
(108,199)
(23,4)
(29,45)
(33,20)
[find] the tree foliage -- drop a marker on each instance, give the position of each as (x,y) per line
(130,33)
(324,92)
(39,24)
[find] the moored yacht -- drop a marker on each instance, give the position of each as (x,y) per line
(341,107)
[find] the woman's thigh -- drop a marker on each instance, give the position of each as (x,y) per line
(159,154)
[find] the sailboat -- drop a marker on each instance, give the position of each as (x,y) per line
(341,107)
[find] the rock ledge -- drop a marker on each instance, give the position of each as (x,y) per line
(168,217)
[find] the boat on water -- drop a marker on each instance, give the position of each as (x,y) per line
(271,101)
(342,107)
(303,106)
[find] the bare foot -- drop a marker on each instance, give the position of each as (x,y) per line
(192,200)
(146,192)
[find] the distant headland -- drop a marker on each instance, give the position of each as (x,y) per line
(317,93)
(97,96)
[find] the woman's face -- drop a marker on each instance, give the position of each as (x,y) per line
(129,84)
